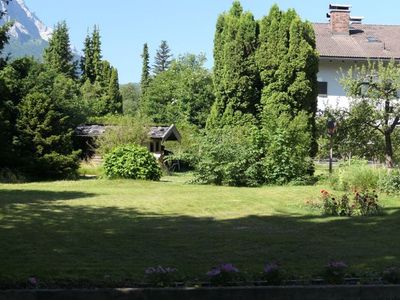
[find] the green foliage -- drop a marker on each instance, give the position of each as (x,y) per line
(130,94)
(355,175)
(373,89)
(44,142)
(391,275)
(58,55)
(131,162)
(390,182)
(231,156)
(162,60)
(335,272)
(363,204)
(145,80)
(288,63)
(352,137)
(287,143)
(122,131)
(181,94)
(236,78)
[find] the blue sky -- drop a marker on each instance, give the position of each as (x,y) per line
(187,25)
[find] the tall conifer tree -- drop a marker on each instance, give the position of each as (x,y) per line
(236,78)
(87,65)
(145,80)
(162,61)
(96,48)
(58,55)
(288,64)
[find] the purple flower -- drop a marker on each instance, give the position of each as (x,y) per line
(271,267)
(32,281)
(214,272)
(229,268)
(223,268)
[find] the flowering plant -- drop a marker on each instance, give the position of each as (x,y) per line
(223,274)
(160,276)
(272,273)
(335,272)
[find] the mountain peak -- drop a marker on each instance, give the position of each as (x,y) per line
(27,25)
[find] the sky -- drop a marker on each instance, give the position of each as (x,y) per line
(187,25)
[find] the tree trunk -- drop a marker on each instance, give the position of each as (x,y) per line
(388,150)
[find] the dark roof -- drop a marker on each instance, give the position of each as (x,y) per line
(364,41)
(90,130)
(166,133)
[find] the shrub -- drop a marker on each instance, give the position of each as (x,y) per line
(355,175)
(131,162)
(390,182)
(224,274)
(363,204)
(339,206)
(391,275)
(272,274)
(161,276)
(367,203)
(230,156)
(122,131)
(335,272)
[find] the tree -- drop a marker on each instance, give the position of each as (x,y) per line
(373,90)
(91,62)
(87,66)
(44,142)
(58,55)
(114,96)
(183,93)
(236,78)
(145,80)
(130,94)
(96,48)
(288,65)
(162,60)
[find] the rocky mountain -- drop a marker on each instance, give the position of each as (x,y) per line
(29,35)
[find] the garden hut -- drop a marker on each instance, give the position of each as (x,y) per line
(160,134)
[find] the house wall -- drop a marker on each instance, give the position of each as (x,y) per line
(331,71)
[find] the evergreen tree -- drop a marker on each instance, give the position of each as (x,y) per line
(87,66)
(288,64)
(236,78)
(162,60)
(114,96)
(144,82)
(58,55)
(96,48)
(45,143)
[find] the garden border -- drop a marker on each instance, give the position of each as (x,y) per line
(356,292)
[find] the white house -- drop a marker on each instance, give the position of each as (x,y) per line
(344,42)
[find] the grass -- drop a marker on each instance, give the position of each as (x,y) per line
(100,230)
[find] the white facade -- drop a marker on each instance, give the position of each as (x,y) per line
(331,71)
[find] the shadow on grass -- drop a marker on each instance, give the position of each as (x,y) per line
(29,196)
(75,242)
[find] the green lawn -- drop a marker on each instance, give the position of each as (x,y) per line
(113,230)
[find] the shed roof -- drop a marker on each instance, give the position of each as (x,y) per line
(165,133)
(365,41)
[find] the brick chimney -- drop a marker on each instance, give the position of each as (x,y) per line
(339,18)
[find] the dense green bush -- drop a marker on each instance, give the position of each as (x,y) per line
(122,130)
(132,162)
(230,156)
(390,182)
(355,175)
